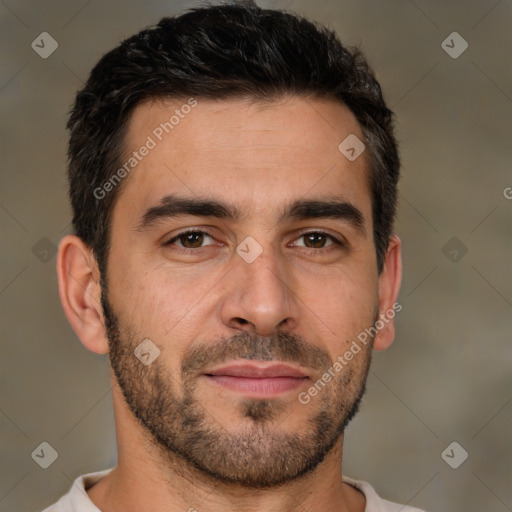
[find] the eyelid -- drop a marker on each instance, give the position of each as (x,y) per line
(337,239)
(185,232)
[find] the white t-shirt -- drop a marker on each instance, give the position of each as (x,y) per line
(77,500)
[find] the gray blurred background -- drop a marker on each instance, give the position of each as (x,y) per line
(446,379)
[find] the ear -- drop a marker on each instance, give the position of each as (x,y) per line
(80,292)
(389,286)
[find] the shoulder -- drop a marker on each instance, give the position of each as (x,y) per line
(374,503)
(77,499)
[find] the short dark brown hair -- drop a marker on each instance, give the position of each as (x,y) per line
(217,52)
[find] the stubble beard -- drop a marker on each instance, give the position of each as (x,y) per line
(257,453)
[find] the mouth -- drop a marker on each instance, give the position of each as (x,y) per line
(261,380)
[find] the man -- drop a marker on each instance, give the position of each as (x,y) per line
(233,176)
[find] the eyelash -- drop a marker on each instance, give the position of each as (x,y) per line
(205,232)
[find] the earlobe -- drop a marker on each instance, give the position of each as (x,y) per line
(80,292)
(389,286)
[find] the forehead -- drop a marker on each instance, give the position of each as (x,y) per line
(253,153)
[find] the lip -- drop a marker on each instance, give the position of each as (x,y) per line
(257,380)
(258,371)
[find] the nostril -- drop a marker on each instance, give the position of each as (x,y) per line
(242,321)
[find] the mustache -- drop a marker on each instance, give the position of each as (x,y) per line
(280,346)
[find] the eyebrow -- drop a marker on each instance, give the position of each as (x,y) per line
(172,206)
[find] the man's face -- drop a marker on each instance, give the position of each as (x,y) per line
(284,273)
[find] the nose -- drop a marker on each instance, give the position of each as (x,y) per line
(260,297)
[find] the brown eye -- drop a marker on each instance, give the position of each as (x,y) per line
(191,240)
(316,240)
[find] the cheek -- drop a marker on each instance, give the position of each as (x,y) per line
(163,302)
(341,308)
